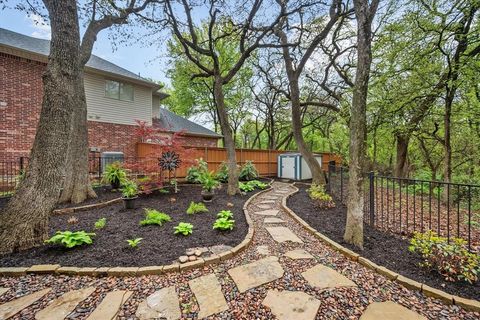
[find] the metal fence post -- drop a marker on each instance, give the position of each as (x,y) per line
(371,179)
(329,177)
(341,184)
(21,164)
(99,167)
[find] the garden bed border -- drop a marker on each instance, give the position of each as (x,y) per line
(468,304)
(137,271)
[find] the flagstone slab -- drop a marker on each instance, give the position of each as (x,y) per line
(13,307)
(3,290)
(110,306)
(289,305)
(271,197)
(267,202)
(273,220)
(264,206)
(298,254)
(283,234)
(163,304)
(254,274)
(263,250)
(322,277)
(61,307)
(389,310)
(208,292)
(270,212)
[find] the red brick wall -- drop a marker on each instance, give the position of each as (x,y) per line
(21,94)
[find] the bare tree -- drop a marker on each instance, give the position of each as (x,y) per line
(25,219)
(364,13)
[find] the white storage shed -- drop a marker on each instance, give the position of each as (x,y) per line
(293,166)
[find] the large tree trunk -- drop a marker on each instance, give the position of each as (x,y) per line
(77,186)
(25,219)
(358,131)
(402,155)
(229,142)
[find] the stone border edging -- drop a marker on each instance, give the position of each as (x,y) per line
(468,304)
(139,271)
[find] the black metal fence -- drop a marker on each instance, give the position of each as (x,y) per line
(403,206)
(11,171)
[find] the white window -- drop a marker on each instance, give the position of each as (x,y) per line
(118,90)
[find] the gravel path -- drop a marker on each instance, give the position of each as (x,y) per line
(346,302)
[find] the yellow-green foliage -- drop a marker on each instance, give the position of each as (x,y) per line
(196,208)
(320,197)
(153,216)
(452,260)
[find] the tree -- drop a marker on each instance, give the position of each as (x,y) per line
(247,35)
(25,219)
(364,13)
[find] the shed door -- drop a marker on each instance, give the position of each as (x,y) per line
(288,167)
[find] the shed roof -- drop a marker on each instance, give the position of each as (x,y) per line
(171,122)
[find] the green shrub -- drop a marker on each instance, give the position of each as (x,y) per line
(184,228)
(129,189)
(100,223)
(133,243)
(225,214)
(194,172)
(153,216)
(208,181)
(196,208)
(258,184)
(224,224)
(452,260)
(320,198)
(222,173)
(245,187)
(114,174)
(70,239)
(248,172)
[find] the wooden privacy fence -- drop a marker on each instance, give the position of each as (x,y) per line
(265,160)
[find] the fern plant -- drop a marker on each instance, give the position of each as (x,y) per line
(100,223)
(196,208)
(70,239)
(184,228)
(133,243)
(224,224)
(114,174)
(153,216)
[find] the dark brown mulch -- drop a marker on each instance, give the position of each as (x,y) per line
(159,246)
(380,247)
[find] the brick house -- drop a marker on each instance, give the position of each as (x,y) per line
(115,97)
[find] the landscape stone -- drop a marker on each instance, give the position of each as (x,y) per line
(273,220)
(13,307)
(270,212)
(183,259)
(61,307)
(264,206)
(321,276)
(163,304)
(283,234)
(389,310)
(43,268)
(254,274)
(263,250)
(219,248)
(288,305)
(198,253)
(298,254)
(267,202)
(271,197)
(110,306)
(208,292)
(192,258)
(3,290)
(190,252)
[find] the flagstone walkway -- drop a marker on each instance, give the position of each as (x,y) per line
(286,273)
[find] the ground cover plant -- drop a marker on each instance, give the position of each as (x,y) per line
(129,189)
(110,247)
(196,208)
(70,239)
(321,199)
(224,224)
(155,217)
(100,223)
(252,185)
(184,228)
(382,247)
(133,243)
(226,214)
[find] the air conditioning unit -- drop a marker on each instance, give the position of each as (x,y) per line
(110,157)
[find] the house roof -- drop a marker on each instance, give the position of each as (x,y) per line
(41,47)
(171,122)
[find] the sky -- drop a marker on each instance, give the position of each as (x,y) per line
(149,62)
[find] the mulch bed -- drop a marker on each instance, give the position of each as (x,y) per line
(380,247)
(159,245)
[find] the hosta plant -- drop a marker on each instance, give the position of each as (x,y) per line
(222,173)
(245,187)
(196,208)
(224,224)
(70,239)
(320,198)
(153,216)
(451,259)
(258,184)
(100,223)
(226,214)
(184,228)
(194,172)
(133,243)
(248,172)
